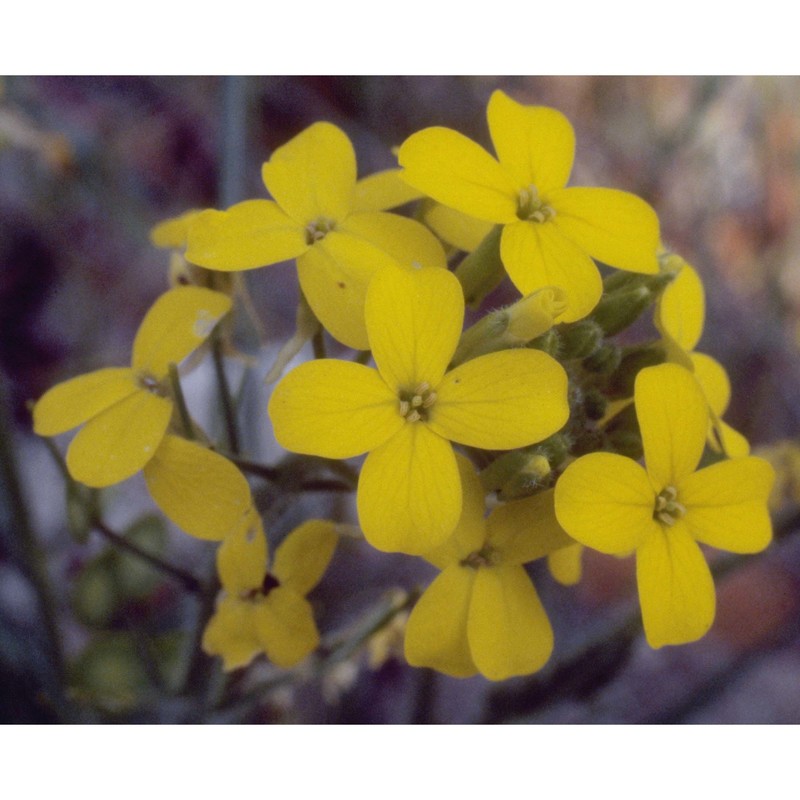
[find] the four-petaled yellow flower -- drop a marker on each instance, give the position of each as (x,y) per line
(612,504)
(406,413)
(125,411)
(312,179)
(126,414)
(550,233)
(482,613)
(264,610)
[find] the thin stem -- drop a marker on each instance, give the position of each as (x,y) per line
(318,343)
(190,582)
(180,402)
(228,410)
(31,556)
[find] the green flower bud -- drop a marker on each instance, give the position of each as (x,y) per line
(604,360)
(621,307)
(513,326)
(580,339)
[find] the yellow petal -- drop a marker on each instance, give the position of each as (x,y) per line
(436,633)
(202,492)
(230,634)
(732,443)
(334,275)
(676,590)
(118,442)
(470,533)
(313,175)
(726,504)
(508,629)
(456,228)
(615,227)
(251,234)
(409,492)
(681,308)
(537,144)
(303,556)
(176,324)
(284,624)
(524,530)
(414,319)
(172,233)
(452,169)
(537,255)
(673,419)
(383,190)
(332,408)
(407,241)
(606,502)
(242,556)
(501,400)
(72,402)
(565,564)
(713,380)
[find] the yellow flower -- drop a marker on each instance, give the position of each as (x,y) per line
(482,613)
(406,413)
(312,219)
(125,411)
(661,512)
(267,611)
(384,190)
(679,317)
(550,233)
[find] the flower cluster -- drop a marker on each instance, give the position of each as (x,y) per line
(533,412)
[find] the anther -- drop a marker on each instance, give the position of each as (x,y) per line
(667,508)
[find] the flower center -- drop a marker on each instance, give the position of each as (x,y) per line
(319,229)
(531,207)
(144,380)
(667,509)
(480,558)
(270,582)
(414,404)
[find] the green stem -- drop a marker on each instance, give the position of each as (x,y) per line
(318,343)
(32,560)
(228,410)
(482,270)
(180,402)
(189,581)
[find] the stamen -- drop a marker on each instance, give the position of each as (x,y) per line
(480,558)
(531,207)
(414,404)
(319,229)
(667,508)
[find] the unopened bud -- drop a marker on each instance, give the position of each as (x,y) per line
(513,326)
(580,339)
(621,307)
(604,360)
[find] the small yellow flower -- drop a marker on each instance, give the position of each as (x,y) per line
(312,218)
(264,610)
(125,411)
(482,613)
(679,317)
(551,233)
(406,413)
(661,512)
